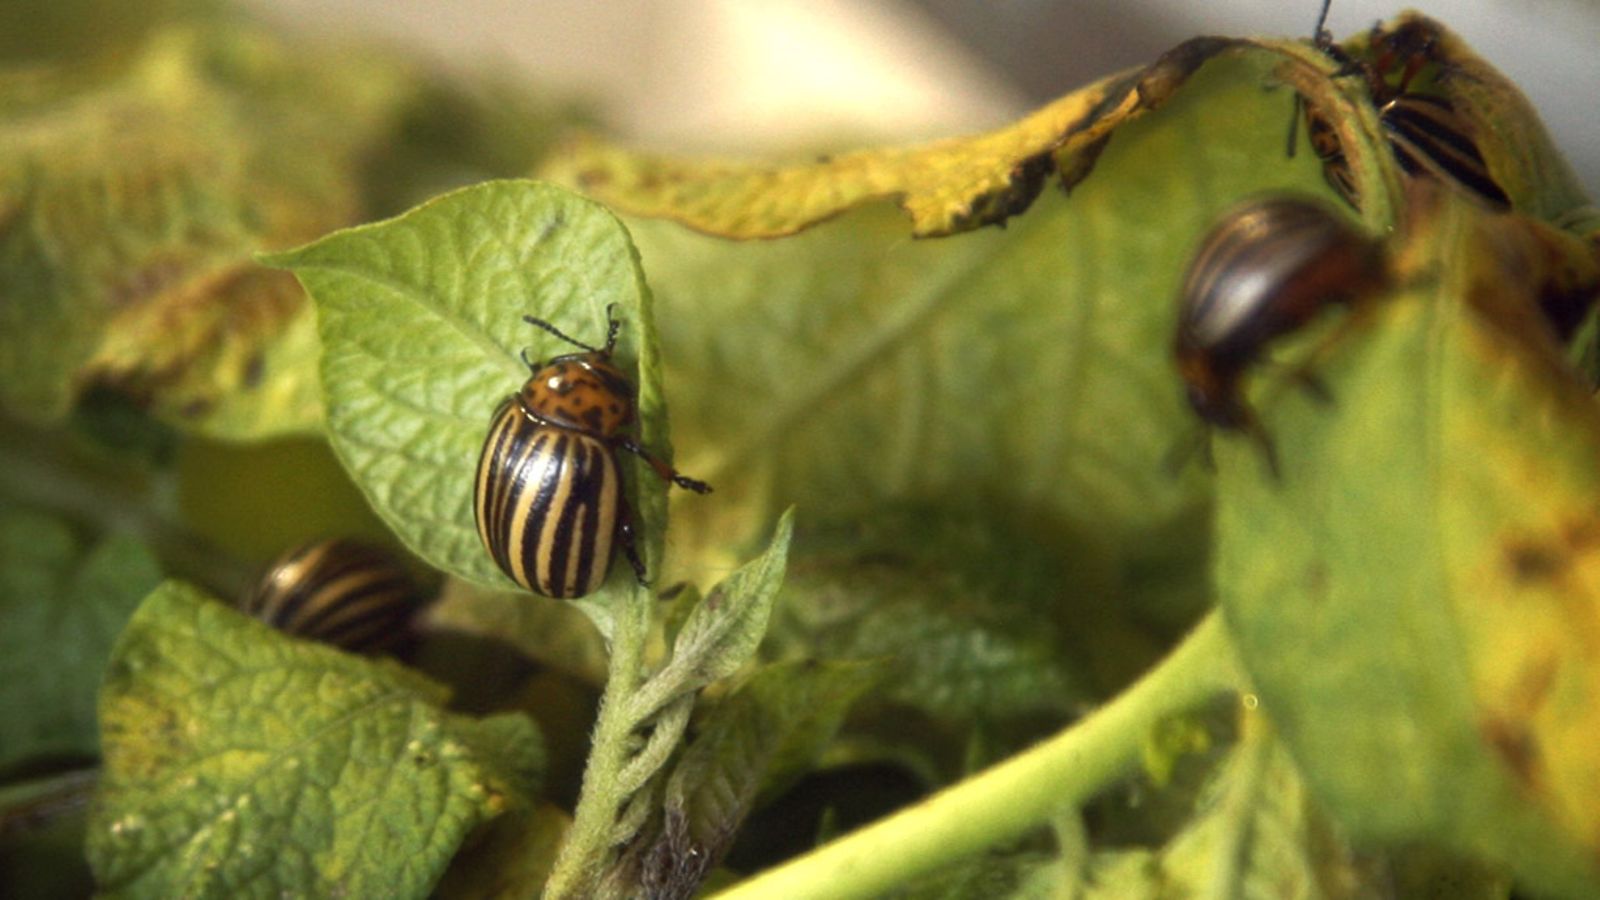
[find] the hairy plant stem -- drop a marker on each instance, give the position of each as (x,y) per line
(590,840)
(1012,797)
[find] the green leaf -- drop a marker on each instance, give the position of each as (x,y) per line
(938,592)
(555,635)
(62,604)
(511,860)
(995,874)
(1254,832)
(239,761)
(1415,596)
(768,731)
(1025,372)
(640,725)
(421,326)
(722,632)
(1255,836)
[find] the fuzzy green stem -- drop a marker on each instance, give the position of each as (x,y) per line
(1013,797)
(589,841)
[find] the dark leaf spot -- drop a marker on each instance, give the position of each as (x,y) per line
(255,370)
(1515,746)
(1534,562)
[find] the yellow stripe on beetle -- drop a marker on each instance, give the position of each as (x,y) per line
(339,592)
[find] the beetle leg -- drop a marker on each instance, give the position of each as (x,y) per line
(626,536)
(667,473)
(1197,444)
(1304,376)
(1294,125)
(613,325)
(1314,385)
(1269,450)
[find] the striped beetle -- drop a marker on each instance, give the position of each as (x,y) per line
(1264,270)
(548,493)
(339,592)
(1426,133)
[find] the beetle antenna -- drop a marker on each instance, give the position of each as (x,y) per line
(1294,125)
(613,325)
(532,366)
(1320,35)
(540,323)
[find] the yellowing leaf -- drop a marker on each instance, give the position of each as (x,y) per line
(1022,372)
(130,205)
(946,186)
(242,762)
(1419,597)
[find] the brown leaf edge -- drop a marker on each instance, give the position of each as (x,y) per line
(995,175)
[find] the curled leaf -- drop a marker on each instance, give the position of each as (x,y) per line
(945,187)
(1415,598)
(1504,125)
(722,632)
(1024,373)
(769,730)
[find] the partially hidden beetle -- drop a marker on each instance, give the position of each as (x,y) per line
(339,592)
(1264,270)
(1427,134)
(548,493)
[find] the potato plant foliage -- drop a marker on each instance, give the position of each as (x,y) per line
(968,614)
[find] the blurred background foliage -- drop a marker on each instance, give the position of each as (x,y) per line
(157,382)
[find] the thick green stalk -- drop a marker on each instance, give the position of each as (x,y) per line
(583,857)
(1013,797)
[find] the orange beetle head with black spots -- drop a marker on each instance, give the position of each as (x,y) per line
(582,391)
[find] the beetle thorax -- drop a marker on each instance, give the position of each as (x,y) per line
(582,391)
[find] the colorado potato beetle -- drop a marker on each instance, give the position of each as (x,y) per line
(1427,134)
(340,592)
(1264,270)
(548,493)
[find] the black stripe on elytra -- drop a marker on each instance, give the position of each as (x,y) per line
(594,477)
(329,605)
(553,444)
(494,474)
(567,539)
(379,611)
(532,443)
(561,542)
(1426,126)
